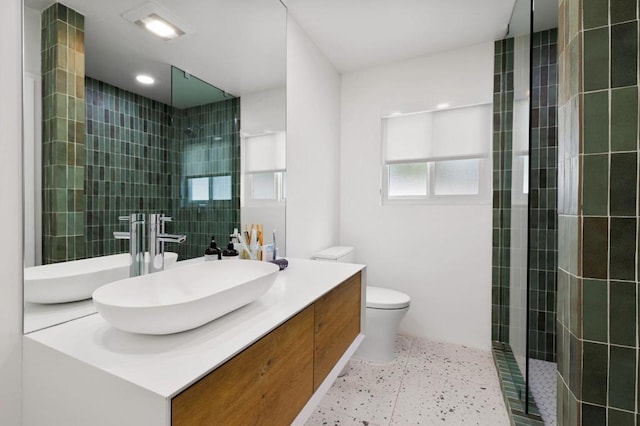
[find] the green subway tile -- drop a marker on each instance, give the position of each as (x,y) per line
(595,13)
(61,57)
(622,315)
(59,176)
(61,32)
(595,245)
(596,59)
(594,310)
(59,200)
(596,122)
(624,54)
(622,378)
(624,119)
(595,185)
(622,244)
(624,181)
(594,373)
(61,106)
(592,415)
(623,10)
(620,418)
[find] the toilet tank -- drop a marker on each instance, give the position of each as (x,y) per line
(335,254)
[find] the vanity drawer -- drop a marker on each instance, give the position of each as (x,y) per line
(267,383)
(337,324)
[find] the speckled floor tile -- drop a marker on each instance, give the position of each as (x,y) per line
(326,417)
(542,382)
(366,391)
(451,361)
(428,383)
(431,400)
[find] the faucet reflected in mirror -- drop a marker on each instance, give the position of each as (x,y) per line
(157,238)
(136,238)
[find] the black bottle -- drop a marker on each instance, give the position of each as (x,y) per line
(230,252)
(213,252)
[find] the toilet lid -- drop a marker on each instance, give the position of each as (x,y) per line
(384,298)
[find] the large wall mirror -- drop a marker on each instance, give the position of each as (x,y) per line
(149,107)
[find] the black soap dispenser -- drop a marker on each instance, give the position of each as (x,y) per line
(230,252)
(213,252)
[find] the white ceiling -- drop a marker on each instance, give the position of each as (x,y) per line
(356,34)
(238,46)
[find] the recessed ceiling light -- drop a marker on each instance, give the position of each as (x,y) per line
(145,79)
(442,106)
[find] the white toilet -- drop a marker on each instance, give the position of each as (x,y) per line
(385,310)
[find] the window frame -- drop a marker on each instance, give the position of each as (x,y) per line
(279,190)
(188,202)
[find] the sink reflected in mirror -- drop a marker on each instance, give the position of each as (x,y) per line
(100,145)
(77,280)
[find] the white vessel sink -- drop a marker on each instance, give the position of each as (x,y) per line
(78,279)
(183,298)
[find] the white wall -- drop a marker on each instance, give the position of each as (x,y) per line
(313,146)
(438,254)
(11,213)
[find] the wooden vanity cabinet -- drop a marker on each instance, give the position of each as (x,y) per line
(270,382)
(337,324)
(267,383)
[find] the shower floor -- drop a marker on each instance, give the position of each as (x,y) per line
(542,383)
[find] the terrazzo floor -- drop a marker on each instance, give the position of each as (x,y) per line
(542,383)
(429,383)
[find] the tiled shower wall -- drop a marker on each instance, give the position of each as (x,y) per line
(543,244)
(134,161)
(207,144)
(502,166)
(598,204)
(543,187)
(62,134)
(129,140)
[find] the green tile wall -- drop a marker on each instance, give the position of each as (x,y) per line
(62,134)
(597,321)
(129,142)
(543,161)
(135,163)
(502,152)
(214,137)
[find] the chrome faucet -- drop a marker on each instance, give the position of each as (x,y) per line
(157,238)
(136,237)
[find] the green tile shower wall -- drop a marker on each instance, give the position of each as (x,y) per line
(128,144)
(134,162)
(215,139)
(597,320)
(543,244)
(62,134)
(502,152)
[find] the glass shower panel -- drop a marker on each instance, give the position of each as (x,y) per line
(520,203)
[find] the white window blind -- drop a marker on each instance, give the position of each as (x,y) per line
(459,132)
(265,153)
(408,137)
(436,154)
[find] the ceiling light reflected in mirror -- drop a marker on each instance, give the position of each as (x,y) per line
(145,79)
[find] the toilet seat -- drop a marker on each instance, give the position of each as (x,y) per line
(384,298)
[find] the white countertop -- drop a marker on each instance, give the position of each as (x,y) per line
(168,364)
(38,316)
